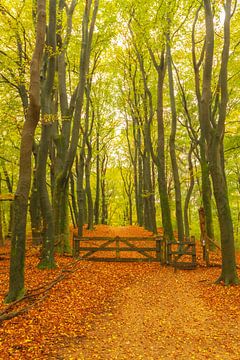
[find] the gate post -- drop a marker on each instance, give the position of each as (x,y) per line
(76,246)
(117,247)
(158,249)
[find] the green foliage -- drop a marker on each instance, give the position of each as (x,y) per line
(117,86)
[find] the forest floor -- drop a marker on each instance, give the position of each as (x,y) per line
(88,310)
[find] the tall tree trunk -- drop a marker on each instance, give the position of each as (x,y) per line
(104,217)
(81,191)
(88,187)
(61,186)
(206,189)
(48,118)
(74,203)
(140,185)
(97,196)
(88,24)
(159,159)
(177,187)
(35,213)
(214,134)
(189,193)
(17,261)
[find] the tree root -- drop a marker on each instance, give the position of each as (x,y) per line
(34,296)
(227,280)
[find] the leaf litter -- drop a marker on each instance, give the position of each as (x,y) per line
(120,310)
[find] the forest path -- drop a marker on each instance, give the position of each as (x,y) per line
(161,316)
(122,310)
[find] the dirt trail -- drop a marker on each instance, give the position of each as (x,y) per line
(161,316)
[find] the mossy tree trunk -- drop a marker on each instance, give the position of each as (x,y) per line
(61,137)
(149,218)
(189,193)
(104,204)
(17,260)
(34,207)
(73,130)
(88,186)
(97,196)
(206,187)
(213,130)
(172,147)
(159,158)
(48,118)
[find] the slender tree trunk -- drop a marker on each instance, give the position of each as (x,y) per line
(17,261)
(140,188)
(35,213)
(80,191)
(74,203)
(177,187)
(88,24)
(206,190)
(160,158)
(48,118)
(88,188)
(214,134)
(189,193)
(61,141)
(103,190)
(97,196)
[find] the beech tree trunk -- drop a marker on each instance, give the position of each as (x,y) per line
(48,117)
(177,187)
(35,210)
(189,193)
(213,130)
(97,196)
(206,187)
(17,261)
(159,158)
(61,137)
(104,205)
(88,187)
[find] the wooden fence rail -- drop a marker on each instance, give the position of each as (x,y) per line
(152,248)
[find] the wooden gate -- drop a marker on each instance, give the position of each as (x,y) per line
(124,249)
(182,255)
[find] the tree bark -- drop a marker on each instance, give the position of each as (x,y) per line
(48,117)
(214,134)
(159,159)
(177,187)
(189,193)
(17,261)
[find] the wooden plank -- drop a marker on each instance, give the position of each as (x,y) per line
(75,238)
(91,250)
(103,259)
(99,248)
(137,249)
(114,248)
(181,253)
